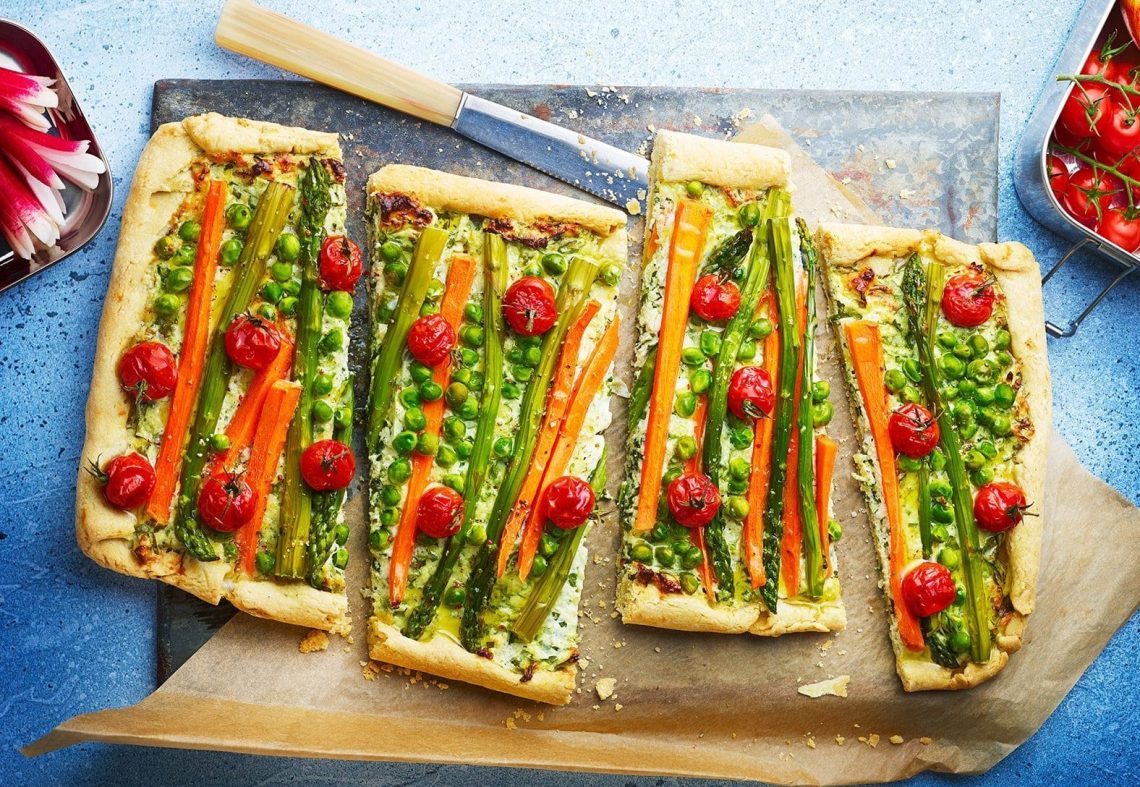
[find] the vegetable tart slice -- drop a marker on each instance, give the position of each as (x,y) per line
(219,419)
(726,500)
(494,331)
(945,350)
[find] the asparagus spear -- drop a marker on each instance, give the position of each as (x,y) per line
(778,204)
(296,502)
(429,250)
(545,594)
(930,321)
(725,259)
(642,388)
(918,290)
(576,283)
(813,548)
(326,505)
(494,284)
(780,242)
(268,220)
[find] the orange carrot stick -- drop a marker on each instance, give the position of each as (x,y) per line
(689,230)
(761,462)
(825,452)
(268,443)
(866,347)
(793,524)
(456,291)
(192,356)
(590,379)
(242,425)
(557,399)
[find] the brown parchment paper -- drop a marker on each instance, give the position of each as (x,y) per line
(683,704)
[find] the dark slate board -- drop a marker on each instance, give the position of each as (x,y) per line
(918,159)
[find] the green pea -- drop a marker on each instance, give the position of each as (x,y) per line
(659,532)
(761,329)
(378,539)
(641,552)
(427,444)
(473,313)
(737,486)
(747,350)
(510,391)
(694,188)
(166,247)
(988,449)
(468,410)
(981,371)
(986,416)
(736,507)
(1004,395)
(446,456)
(967,431)
(332,341)
(339,304)
(231,251)
(1001,425)
(178,279)
(979,344)
(414,419)
(186,255)
(710,343)
(834,529)
(610,274)
(395,273)
(749,214)
(477,534)
(538,566)
(455,596)
(389,517)
(503,447)
(952,366)
(281,271)
(514,354)
(692,356)
(910,393)
(293,287)
(950,392)
(685,405)
(458,482)
(937,460)
(532,356)
(421,372)
(322,384)
(340,559)
(454,429)
(521,373)
(895,380)
(700,380)
(963,351)
(1004,360)
(912,369)
(967,388)
(410,397)
(475,383)
(429,308)
(430,390)
(400,471)
(960,641)
(533,269)
(239,215)
(288,247)
(980,478)
(822,413)
(555,264)
(548,545)
(464,448)
(974,459)
(949,557)
(456,394)
(690,584)
(219,441)
(468,357)
(672,474)
(189,231)
(404,442)
(343,417)
(272,292)
(941,489)
(690,556)
(460,375)
(390,495)
(941,513)
(390,251)
(435,290)
(685,448)
(167,305)
(820,390)
(739,467)
(265,562)
(1001,340)
(664,555)
(267,312)
(963,411)
(947,340)
(740,437)
(322,412)
(984,396)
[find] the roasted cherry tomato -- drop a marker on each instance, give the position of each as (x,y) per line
(341,264)
(913,430)
(431,339)
(968,299)
(225,502)
(714,300)
(528,306)
(998,506)
(440,512)
(1090,193)
(148,371)
(127,480)
(568,502)
(927,588)
(750,394)
(1086,110)
(328,465)
(1121,133)
(1120,228)
(693,499)
(252,342)
(1058,175)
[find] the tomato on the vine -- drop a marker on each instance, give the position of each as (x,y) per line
(750,394)
(529,307)
(252,342)
(431,339)
(568,502)
(1122,227)
(127,480)
(1058,175)
(714,300)
(148,371)
(340,263)
(1090,193)
(439,513)
(1121,134)
(928,588)
(968,299)
(999,506)
(1086,109)
(913,430)
(693,499)
(328,465)
(225,502)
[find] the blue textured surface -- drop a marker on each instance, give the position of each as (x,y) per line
(76,638)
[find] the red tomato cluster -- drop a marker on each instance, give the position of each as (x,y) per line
(1094,169)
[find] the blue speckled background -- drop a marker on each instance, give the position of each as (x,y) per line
(76,638)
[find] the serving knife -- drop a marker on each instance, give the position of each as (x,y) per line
(611,173)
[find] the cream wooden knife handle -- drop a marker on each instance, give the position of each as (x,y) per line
(247,28)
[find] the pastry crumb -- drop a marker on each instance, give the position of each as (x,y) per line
(510,723)
(370,669)
(890,163)
(835,687)
(313,641)
(618,706)
(896,739)
(633,207)
(925,740)
(810,742)
(840,740)
(605,687)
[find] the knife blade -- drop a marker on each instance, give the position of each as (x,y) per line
(603,170)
